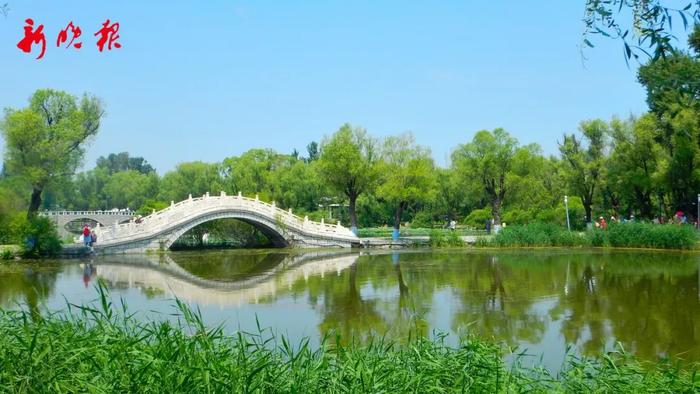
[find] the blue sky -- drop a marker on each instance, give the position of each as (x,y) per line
(207,80)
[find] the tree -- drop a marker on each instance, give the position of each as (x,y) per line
(585,163)
(487,160)
(348,164)
(635,164)
(251,171)
(45,141)
(408,174)
(123,162)
(312,151)
(651,27)
(196,178)
(130,189)
(673,95)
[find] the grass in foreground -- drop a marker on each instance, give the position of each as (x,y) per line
(98,350)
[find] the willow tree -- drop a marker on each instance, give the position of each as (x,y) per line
(45,141)
(348,164)
(487,161)
(408,174)
(585,161)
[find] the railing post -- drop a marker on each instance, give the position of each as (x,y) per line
(172,203)
(189,197)
(240,195)
(256,197)
(223,194)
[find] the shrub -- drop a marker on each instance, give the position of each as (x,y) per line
(445,238)
(422,219)
(477,218)
(6,254)
(39,237)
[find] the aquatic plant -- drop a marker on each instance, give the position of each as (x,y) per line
(99,348)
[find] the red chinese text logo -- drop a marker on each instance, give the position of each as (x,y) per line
(107,37)
(31,37)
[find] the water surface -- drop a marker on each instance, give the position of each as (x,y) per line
(541,301)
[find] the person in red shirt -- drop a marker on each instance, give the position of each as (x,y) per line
(603,223)
(86,236)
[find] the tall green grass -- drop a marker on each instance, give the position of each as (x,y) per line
(630,235)
(99,350)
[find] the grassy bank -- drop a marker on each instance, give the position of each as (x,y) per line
(628,235)
(97,350)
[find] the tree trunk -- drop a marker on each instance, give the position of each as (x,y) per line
(34,203)
(353,213)
(588,208)
(397,215)
(496,211)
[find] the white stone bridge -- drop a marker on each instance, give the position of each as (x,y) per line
(161,229)
(104,218)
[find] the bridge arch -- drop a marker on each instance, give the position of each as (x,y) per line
(272,231)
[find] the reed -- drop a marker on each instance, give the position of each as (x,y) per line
(102,349)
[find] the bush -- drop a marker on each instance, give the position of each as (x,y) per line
(477,218)
(445,238)
(39,237)
(6,254)
(422,219)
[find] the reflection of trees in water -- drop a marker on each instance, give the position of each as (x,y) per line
(496,299)
(228,266)
(648,303)
(346,313)
(28,284)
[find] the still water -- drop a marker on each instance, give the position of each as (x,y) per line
(540,301)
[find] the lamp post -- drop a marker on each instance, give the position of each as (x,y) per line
(566,204)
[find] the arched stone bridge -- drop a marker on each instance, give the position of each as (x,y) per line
(161,229)
(104,218)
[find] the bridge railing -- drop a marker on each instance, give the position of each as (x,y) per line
(181,211)
(86,213)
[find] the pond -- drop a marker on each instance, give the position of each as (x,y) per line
(540,301)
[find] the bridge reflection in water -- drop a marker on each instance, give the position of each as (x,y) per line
(274,271)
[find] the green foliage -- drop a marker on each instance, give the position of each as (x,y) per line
(585,161)
(38,236)
(478,217)
(645,235)
(422,219)
(537,234)
(97,348)
(7,254)
(151,205)
(649,32)
(630,235)
(45,141)
(487,160)
(196,178)
(407,174)
(348,164)
(442,238)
